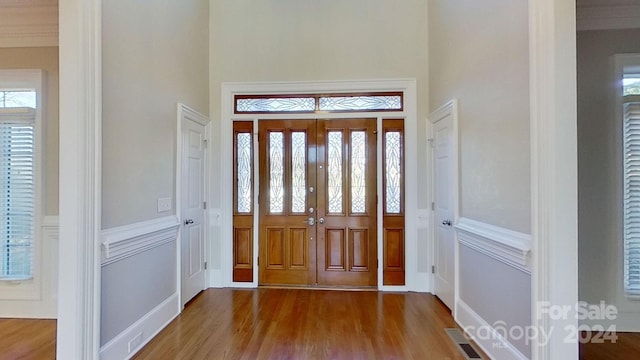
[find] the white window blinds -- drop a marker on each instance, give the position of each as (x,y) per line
(17,210)
(632,198)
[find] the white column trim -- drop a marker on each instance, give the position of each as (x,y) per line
(80,189)
(553,114)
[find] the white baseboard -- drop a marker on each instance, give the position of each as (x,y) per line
(146,328)
(494,345)
(215,278)
(243,285)
(422,283)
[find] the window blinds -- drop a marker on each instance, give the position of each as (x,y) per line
(632,198)
(17,201)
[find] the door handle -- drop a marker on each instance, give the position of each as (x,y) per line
(188,221)
(321,220)
(446,222)
(310,221)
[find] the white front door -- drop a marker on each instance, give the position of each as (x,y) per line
(444,209)
(192,208)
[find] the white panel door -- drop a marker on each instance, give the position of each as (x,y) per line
(192,209)
(444,211)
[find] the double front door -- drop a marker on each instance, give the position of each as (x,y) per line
(317,202)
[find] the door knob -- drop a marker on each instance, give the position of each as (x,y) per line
(446,222)
(188,221)
(321,220)
(310,221)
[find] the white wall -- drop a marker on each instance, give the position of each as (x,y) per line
(155,54)
(291,40)
(600,173)
(479,54)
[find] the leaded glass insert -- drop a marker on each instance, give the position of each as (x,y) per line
(275,104)
(243,151)
(393,171)
(351,103)
(276,172)
(298,172)
(358,171)
(334,171)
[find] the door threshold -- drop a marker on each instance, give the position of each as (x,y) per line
(320,287)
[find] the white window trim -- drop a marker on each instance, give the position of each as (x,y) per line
(30,289)
(620,63)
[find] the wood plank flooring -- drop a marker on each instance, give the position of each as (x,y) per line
(295,324)
(27,339)
(307,324)
(626,347)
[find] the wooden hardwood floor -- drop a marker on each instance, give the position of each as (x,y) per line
(27,339)
(307,324)
(295,324)
(626,347)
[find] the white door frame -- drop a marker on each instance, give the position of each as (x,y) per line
(413,282)
(187,113)
(553,171)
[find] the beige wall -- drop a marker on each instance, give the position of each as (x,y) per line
(45,58)
(478,53)
(292,40)
(155,54)
(599,170)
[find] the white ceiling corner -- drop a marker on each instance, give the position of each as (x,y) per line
(28,23)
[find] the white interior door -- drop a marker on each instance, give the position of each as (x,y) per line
(192,208)
(444,210)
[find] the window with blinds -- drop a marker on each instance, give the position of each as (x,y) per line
(631,156)
(17,201)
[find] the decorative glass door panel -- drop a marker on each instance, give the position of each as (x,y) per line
(287,166)
(317,202)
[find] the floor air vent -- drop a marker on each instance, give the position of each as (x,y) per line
(463,344)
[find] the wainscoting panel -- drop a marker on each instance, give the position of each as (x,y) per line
(139,284)
(494,287)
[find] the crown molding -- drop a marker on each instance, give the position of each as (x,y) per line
(29,24)
(608,17)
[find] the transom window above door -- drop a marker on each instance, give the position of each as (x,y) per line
(319,103)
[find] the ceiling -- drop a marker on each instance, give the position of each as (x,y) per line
(27,3)
(27,23)
(607,14)
(581,3)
